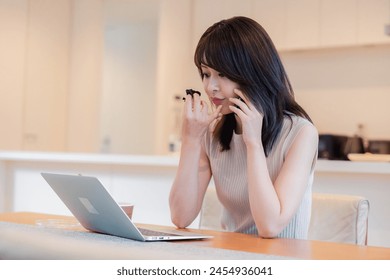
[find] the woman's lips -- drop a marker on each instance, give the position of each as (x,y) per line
(218,101)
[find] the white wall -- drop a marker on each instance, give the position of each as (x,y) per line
(344,87)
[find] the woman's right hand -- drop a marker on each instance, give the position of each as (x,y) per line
(196,118)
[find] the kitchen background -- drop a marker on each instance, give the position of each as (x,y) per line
(90,86)
(102,75)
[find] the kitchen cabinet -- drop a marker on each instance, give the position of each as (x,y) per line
(271,14)
(34,50)
(305,24)
(206,12)
(302,24)
(354,22)
(46,76)
(291,24)
(372,16)
(13,22)
(338,23)
(51,75)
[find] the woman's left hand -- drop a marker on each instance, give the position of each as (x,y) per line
(251,119)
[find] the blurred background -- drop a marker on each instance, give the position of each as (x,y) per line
(104,76)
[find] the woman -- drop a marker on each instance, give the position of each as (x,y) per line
(259,145)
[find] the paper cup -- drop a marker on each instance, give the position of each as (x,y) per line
(127,208)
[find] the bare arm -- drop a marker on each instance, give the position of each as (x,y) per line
(273,204)
(193,173)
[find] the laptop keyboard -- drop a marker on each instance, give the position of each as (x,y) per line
(149,232)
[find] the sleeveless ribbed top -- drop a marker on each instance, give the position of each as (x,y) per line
(229,171)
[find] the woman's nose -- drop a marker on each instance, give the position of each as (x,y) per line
(213,86)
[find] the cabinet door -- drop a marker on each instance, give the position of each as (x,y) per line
(46,80)
(271,14)
(13,20)
(302,24)
(373,15)
(208,12)
(338,23)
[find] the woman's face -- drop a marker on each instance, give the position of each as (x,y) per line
(218,88)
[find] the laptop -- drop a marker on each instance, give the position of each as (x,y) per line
(97,211)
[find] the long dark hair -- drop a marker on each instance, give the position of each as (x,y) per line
(241,49)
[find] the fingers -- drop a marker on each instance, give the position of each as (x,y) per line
(197,102)
(188,104)
(240,100)
(241,95)
(238,105)
(237,111)
(197,119)
(193,102)
(242,106)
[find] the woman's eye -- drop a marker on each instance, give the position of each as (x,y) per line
(205,75)
(221,75)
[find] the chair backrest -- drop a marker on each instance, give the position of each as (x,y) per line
(334,217)
(339,218)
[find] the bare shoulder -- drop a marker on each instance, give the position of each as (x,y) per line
(307,137)
(309,130)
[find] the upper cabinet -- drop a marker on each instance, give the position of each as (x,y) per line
(206,13)
(338,23)
(304,24)
(271,14)
(372,17)
(354,22)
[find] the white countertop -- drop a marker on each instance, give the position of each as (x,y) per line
(172,161)
(341,166)
(120,159)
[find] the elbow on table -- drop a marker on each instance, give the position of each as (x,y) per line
(182,217)
(269,232)
(179,222)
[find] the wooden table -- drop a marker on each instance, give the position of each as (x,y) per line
(303,249)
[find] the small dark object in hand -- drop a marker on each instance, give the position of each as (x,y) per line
(191,92)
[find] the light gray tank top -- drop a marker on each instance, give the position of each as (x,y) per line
(229,170)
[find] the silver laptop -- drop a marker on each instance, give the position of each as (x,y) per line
(97,211)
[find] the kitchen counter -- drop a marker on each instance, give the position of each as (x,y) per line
(146,180)
(343,166)
(115,159)
(172,161)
